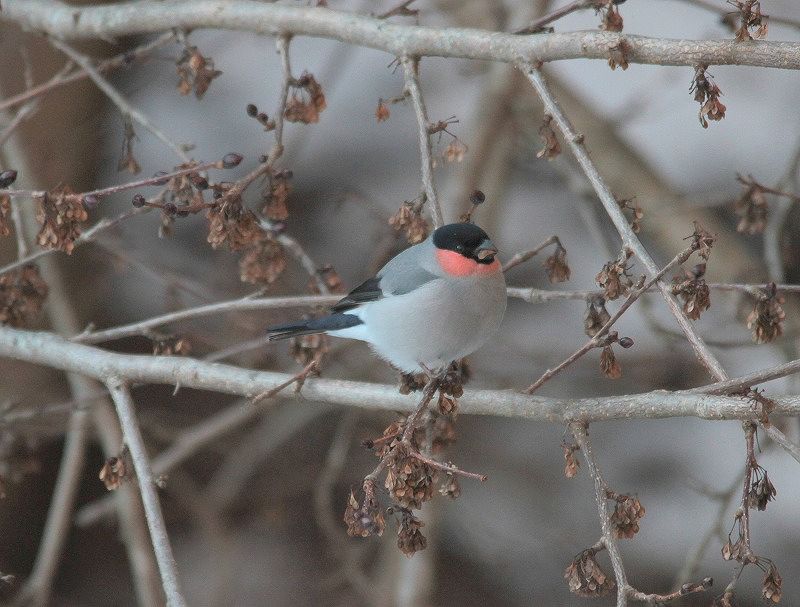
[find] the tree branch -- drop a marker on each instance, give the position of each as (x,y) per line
(152,508)
(53,351)
(124,19)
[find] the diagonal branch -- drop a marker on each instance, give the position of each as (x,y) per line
(629,238)
(126,108)
(411,73)
(155,520)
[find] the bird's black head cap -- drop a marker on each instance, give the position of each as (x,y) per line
(467,239)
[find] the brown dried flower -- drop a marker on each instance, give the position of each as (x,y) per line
(195,72)
(276,196)
(409,480)
(703,240)
(614,278)
(450,487)
(113,472)
(707,94)
(444,433)
(5,215)
(625,518)
(572,464)
(232,225)
(22,294)
(636,212)
(618,55)
(412,382)
(172,346)
(409,536)
(762,491)
(262,263)
(771,585)
(611,19)
(733,551)
(556,265)
(751,17)
(409,218)
(727,599)
(609,364)
(60,213)
(455,150)
(751,207)
(586,578)
(307,100)
(693,292)
(766,319)
(596,316)
(307,348)
(364,520)
(382,111)
(551,147)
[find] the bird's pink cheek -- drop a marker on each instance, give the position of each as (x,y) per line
(456,264)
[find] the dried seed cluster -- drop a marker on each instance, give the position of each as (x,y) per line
(22,294)
(707,94)
(586,578)
(195,72)
(60,214)
(409,219)
(766,319)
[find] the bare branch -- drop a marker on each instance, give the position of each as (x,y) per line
(152,508)
(108,21)
(411,72)
(59,353)
(126,108)
(629,238)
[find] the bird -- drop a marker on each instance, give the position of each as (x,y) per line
(429,306)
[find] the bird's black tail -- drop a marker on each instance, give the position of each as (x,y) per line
(332,322)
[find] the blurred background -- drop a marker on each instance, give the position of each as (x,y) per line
(255,517)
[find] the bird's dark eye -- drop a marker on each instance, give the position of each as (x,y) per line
(460,248)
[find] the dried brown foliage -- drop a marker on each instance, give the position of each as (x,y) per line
(382,112)
(609,365)
(22,294)
(409,536)
(113,472)
(634,210)
(307,348)
(231,225)
(691,288)
(263,263)
(571,464)
(771,585)
(618,55)
(276,196)
(762,491)
(611,20)
(766,319)
(750,19)
(552,147)
(628,510)
(455,150)
(60,213)
(751,207)
(586,578)
(556,265)
(707,94)
(409,218)
(703,240)
(614,278)
(408,479)
(596,316)
(364,519)
(307,100)
(195,72)
(172,346)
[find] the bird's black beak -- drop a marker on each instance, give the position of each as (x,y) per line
(486,250)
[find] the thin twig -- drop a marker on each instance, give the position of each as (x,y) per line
(126,108)
(580,431)
(596,340)
(155,520)
(629,238)
(539,24)
(412,86)
(524,256)
(121,60)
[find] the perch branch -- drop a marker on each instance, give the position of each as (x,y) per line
(150,16)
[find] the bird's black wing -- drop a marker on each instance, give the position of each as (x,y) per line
(369,290)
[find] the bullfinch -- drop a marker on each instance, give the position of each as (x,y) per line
(432,304)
